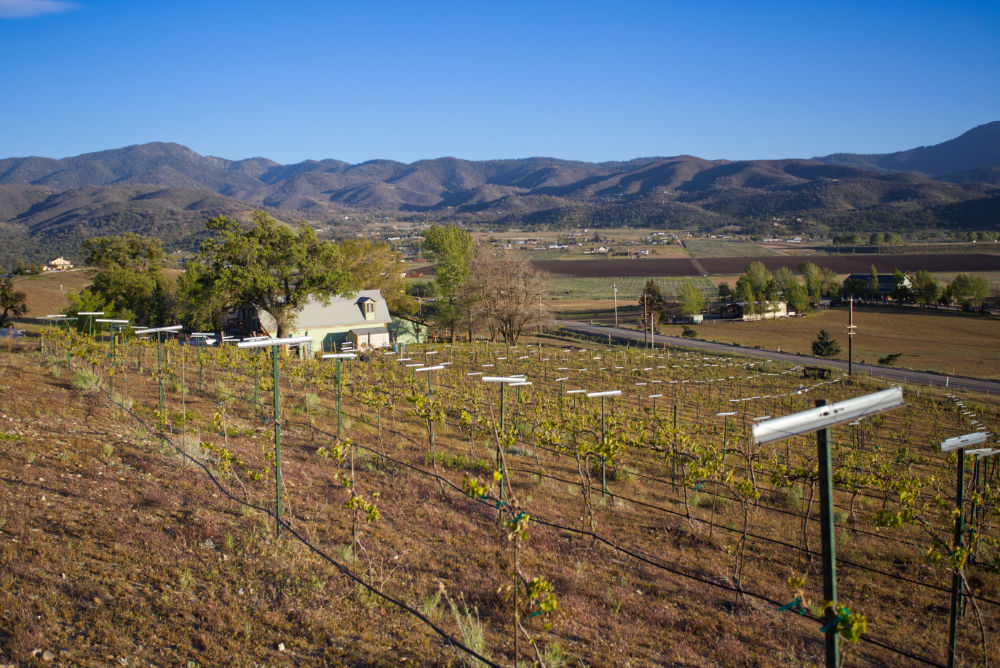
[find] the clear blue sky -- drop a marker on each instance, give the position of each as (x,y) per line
(410,80)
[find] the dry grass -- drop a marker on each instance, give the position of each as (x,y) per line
(181,574)
(946,343)
(46,293)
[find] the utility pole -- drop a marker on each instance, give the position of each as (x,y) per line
(850,337)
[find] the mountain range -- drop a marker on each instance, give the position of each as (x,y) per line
(48,206)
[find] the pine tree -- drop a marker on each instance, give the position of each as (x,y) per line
(825,345)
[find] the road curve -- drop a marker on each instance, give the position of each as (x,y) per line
(888,373)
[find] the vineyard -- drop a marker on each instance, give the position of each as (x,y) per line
(629,288)
(478,490)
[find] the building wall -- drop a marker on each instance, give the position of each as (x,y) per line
(324,339)
(407,331)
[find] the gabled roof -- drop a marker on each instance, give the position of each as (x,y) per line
(337,312)
(886,282)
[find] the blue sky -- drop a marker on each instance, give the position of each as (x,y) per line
(578,80)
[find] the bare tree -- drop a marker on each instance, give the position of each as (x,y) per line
(509,293)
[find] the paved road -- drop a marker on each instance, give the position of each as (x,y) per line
(888,373)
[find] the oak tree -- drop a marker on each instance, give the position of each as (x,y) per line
(270,266)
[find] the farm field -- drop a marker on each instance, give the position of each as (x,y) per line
(702,248)
(945,342)
(496,526)
(842,264)
(629,288)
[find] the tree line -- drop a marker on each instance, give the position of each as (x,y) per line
(760,290)
(266,265)
(277,268)
(478,290)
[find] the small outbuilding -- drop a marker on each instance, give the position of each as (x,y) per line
(766,311)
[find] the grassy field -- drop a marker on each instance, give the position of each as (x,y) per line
(629,288)
(725,248)
(46,293)
(945,343)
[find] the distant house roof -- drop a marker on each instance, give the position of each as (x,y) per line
(337,312)
(886,282)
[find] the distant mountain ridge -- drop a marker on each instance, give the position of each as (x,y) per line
(972,156)
(169,190)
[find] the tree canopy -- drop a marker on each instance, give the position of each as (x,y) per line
(269,266)
(376,266)
(452,248)
(689,299)
(968,289)
(926,288)
(11,301)
(128,279)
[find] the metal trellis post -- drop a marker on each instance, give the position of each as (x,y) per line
(277,442)
(829,547)
(956,580)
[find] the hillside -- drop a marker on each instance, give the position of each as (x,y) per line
(47,205)
(973,156)
(393,543)
(52,222)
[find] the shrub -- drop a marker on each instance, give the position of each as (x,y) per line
(84,380)
(890,359)
(825,345)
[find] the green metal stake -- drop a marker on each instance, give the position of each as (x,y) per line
(430,422)
(604,459)
(339,390)
(201,379)
(111,374)
(503,470)
(256,384)
(829,547)
(159,378)
(956,580)
(277,442)
(517,410)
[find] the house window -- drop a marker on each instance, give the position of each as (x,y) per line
(369,310)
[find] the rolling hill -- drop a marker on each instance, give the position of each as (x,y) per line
(47,206)
(973,156)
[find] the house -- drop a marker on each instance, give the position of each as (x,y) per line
(886,283)
(58,264)
(771,310)
(360,320)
